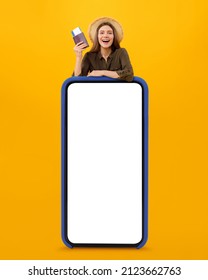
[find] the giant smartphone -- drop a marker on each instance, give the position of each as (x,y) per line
(104,162)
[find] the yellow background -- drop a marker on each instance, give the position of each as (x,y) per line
(167,42)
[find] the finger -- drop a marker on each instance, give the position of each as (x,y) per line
(81,47)
(78,44)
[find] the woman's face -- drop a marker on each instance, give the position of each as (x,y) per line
(105,36)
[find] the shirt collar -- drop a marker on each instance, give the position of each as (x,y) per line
(100,55)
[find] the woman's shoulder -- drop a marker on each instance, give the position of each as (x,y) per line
(90,55)
(121,51)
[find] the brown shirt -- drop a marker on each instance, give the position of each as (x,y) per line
(117,61)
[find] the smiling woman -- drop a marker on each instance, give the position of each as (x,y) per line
(106,57)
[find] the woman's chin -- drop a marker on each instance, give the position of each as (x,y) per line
(106,46)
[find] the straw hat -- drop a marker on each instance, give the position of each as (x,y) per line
(94,25)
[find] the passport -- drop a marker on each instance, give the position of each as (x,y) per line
(78,36)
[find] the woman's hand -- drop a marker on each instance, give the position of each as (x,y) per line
(79,47)
(96,73)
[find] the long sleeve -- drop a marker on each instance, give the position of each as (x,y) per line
(126,73)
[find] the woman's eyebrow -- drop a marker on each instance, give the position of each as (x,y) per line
(108,31)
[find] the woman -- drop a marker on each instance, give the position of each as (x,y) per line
(106,57)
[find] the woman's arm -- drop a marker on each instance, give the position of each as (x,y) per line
(78,52)
(126,73)
(77,68)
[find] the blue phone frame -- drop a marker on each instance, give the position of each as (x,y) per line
(65,86)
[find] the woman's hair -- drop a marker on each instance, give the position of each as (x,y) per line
(96,45)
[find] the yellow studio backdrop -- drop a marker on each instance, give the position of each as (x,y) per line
(167,42)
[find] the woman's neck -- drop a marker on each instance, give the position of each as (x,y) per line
(105,52)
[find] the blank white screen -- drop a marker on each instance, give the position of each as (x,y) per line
(104,156)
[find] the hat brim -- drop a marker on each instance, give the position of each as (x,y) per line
(94,25)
